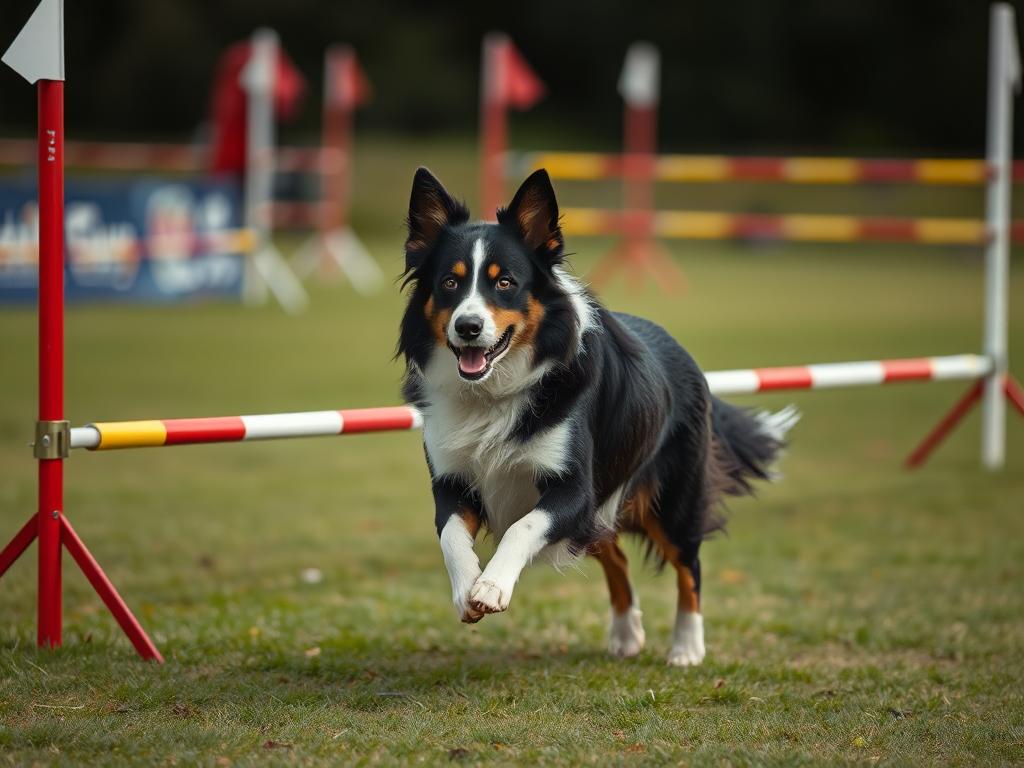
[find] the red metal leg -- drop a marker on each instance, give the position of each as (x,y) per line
(1014,393)
(18,544)
(944,427)
(108,593)
(641,256)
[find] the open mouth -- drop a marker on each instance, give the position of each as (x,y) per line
(475,362)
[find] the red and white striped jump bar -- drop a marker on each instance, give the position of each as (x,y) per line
(587,166)
(229,429)
(141,434)
(860,374)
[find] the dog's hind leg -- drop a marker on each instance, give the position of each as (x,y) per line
(688,636)
(626,635)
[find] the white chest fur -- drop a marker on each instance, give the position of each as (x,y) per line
(472,439)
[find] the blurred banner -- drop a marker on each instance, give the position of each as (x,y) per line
(140,240)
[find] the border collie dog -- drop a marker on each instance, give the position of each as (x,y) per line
(555,423)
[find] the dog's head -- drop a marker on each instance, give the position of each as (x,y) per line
(488,299)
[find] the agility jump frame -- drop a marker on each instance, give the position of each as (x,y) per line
(54,437)
(333,245)
(639,167)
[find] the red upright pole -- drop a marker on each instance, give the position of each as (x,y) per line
(493,124)
(639,86)
(51,350)
(335,144)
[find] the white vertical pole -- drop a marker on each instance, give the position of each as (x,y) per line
(258,82)
(1003,78)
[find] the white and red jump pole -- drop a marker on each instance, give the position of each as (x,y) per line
(998,386)
(266,268)
(640,88)
(335,245)
(37,54)
(506,80)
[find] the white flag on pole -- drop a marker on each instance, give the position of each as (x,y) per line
(37,53)
(641,75)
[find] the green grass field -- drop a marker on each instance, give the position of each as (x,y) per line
(856,613)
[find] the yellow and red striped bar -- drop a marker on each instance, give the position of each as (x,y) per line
(105,436)
(710,225)
(590,166)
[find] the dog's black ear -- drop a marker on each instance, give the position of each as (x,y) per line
(533,214)
(431,209)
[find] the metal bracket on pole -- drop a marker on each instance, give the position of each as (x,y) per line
(53,440)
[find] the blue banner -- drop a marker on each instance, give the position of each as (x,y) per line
(137,240)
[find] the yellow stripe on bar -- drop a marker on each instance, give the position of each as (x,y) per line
(571,165)
(695,225)
(586,221)
(820,228)
(241,240)
(821,170)
(951,171)
(951,231)
(130,434)
(692,168)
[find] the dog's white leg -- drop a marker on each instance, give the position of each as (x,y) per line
(626,634)
(520,544)
(463,566)
(687,640)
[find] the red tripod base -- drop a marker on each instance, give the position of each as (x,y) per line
(104,588)
(1011,388)
(643,256)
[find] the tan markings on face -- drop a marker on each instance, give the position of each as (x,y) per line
(460,269)
(534,316)
(613,561)
(503,318)
(470,519)
(526,323)
(493,271)
(438,321)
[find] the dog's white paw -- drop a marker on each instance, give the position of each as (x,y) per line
(626,635)
(463,608)
(488,597)
(687,641)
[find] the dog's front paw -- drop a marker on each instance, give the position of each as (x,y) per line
(488,597)
(464,609)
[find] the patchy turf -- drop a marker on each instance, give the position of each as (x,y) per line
(855,613)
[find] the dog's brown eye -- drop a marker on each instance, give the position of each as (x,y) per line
(504,283)
(450,284)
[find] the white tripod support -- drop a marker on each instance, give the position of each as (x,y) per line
(266,270)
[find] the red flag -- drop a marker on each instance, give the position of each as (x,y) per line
(348,86)
(515,83)
(228,102)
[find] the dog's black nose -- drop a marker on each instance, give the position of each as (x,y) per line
(469,326)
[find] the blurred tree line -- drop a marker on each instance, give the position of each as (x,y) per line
(897,76)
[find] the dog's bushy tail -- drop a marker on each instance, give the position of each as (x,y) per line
(747,443)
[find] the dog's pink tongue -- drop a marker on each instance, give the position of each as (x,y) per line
(472,360)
